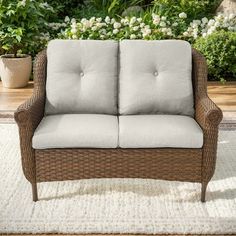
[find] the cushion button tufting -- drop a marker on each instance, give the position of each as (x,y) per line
(81,74)
(155,73)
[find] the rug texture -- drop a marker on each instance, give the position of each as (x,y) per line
(116,205)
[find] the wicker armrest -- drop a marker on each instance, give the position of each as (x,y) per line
(28,116)
(30,112)
(208,115)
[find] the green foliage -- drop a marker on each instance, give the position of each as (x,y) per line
(112,8)
(20,24)
(195,9)
(97,8)
(102,8)
(219,49)
(65,8)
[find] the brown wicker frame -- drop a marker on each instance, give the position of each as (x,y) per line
(194,165)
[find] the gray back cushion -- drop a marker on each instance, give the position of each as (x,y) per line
(82,77)
(155,77)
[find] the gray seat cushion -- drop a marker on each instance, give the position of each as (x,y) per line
(81,77)
(159,131)
(76,130)
(155,77)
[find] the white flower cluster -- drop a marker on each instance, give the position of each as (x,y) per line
(44,37)
(138,28)
(162,24)
(22,3)
(43,5)
(109,28)
(46,6)
(182,15)
(206,27)
(55,29)
(56,26)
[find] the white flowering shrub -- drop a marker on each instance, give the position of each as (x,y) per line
(205,27)
(149,27)
(108,28)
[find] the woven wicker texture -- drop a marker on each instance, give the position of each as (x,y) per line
(69,164)
(195,165)
(208,115)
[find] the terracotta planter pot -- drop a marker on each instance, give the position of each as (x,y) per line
(15,72)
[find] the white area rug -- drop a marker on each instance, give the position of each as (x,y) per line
(116,205)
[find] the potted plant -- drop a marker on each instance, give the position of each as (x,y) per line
(21,23)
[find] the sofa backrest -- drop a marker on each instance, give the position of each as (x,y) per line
(155,77)
(82,77)
(129,77)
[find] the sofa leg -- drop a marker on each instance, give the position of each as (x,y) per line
(34,192)
(203,194)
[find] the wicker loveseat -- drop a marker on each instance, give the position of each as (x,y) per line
(129,109)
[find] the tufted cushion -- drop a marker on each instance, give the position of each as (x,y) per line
(159,131)
(155,77)
(81,77)
(76,130)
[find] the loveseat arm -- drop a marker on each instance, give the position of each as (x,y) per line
(28,116)
(208,115)
(30,113)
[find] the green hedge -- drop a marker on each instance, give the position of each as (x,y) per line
(219,49)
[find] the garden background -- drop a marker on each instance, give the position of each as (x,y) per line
(26,26)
